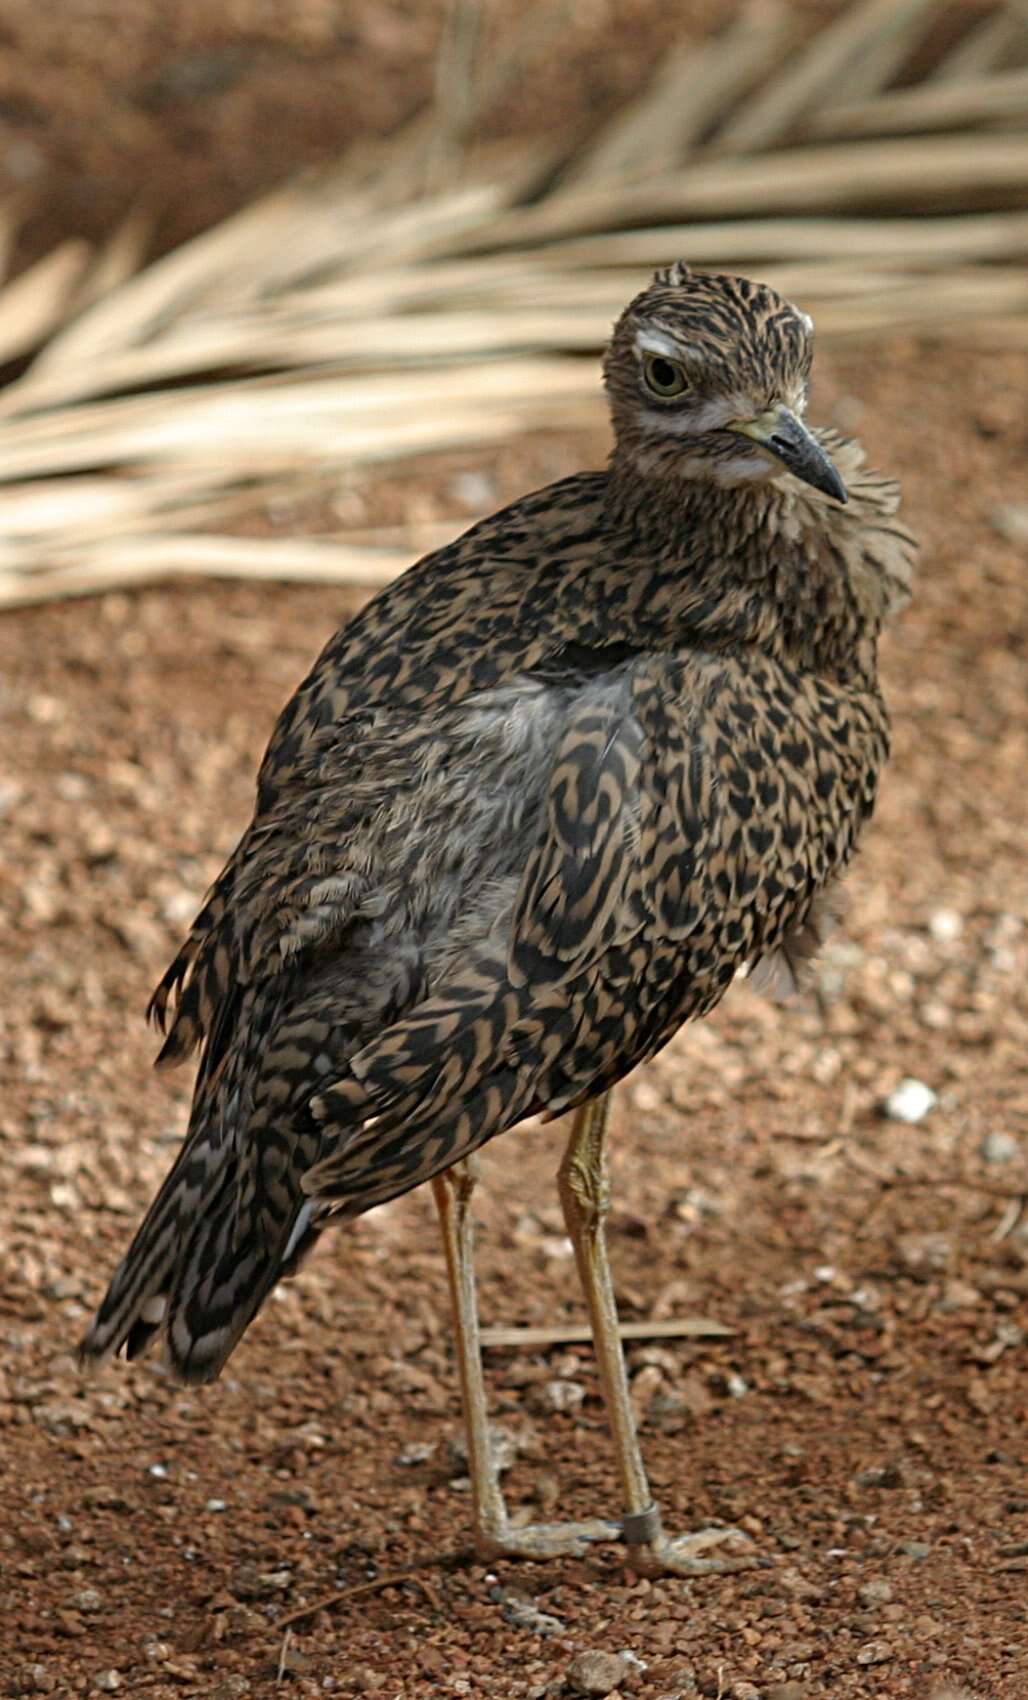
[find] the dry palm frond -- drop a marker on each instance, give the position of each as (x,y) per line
(417,297)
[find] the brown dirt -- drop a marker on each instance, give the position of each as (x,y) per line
(864,1422)
(189,109)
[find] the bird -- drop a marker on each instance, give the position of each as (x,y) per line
(536,806)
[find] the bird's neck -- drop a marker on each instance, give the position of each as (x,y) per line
(756,563)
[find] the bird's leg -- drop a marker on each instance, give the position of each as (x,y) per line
(585,1197)
(494,1535)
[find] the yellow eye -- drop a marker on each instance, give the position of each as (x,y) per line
(664,377)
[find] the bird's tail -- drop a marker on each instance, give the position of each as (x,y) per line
(200,1266)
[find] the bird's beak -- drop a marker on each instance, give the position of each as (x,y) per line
(787,438)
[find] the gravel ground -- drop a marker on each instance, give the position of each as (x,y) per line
(862,1421)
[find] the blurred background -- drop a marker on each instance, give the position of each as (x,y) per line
(250,247)
(291,291)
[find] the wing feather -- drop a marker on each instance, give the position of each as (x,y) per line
(582,887)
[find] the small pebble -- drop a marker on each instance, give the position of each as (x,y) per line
(36,1679)
(107,1681)
(504,1444)
(874,1653)
(881,1476)
(557,1395)
(178,908)
(999,1147)
(596,1673)
(365,1680)
(910,1102)
(925,1253)
(417,1452)
(877,1592)
(945,925)
(959,1295)
(523,1612)
(10,794)
(632,1660)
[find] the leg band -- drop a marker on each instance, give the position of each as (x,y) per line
(638,1528)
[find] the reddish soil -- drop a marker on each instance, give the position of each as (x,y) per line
(865,1419)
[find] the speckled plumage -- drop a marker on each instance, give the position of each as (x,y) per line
(531,810)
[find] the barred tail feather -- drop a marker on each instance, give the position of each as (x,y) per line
(226,1272)
(196,1273)
(135,1303)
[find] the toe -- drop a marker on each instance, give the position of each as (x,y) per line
(546,1540)
(695,1554)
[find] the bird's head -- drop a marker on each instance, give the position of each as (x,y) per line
(707,378)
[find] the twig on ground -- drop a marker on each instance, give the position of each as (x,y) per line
(389,1579)
(283,1655)
(579,1333)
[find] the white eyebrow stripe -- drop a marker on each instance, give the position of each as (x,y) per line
(654,342)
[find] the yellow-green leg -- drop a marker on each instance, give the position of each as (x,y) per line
(585,1198)
(494,1535)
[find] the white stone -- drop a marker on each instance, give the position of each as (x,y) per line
(910,1101)
(945,925)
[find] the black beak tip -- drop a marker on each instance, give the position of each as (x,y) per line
(804,456)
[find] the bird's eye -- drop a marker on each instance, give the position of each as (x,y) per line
(664,377)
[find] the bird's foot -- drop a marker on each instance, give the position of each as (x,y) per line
(691,1555)
(544,1540)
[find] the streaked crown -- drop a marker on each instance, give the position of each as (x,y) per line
(694,353)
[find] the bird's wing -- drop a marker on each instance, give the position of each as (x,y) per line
(696,807)
(701,830)
(630,809)
(463,619)
(287,886)
(457,1068)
